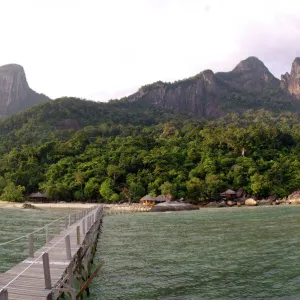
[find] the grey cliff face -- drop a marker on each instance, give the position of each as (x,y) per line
(197,96)
(15,93)
(291,82)
(202,94)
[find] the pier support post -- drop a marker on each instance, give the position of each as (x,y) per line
(31,245)
(78,235)
(4,294)
(46,267)
(71,281)
(70,221)
(83,227)
(68,247)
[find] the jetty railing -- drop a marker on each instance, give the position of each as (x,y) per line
(86,232)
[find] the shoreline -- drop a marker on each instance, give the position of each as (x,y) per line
(72,205)
(125,207)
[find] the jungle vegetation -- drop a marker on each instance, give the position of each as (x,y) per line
(74,149)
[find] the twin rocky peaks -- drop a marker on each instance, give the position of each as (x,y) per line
(249,85)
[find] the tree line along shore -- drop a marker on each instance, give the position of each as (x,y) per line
(124,160)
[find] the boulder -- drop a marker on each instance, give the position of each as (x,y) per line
(29,206)
(294,195)
(294,201)
(212,204)
(263,202)
(272,198)
(251,202)
(173,206)
(222,204)
(240,192)
(240,201)
(231,203)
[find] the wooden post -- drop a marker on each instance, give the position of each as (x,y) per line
(87,223)
(66,222)
(68,247)
(83,227)
(70,221)
(46,267)
(31,245)
(80,270)
(75,218)
(4,294)
(47,234)
(71,280)
(78,235)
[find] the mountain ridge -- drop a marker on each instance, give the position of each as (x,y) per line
(249,85)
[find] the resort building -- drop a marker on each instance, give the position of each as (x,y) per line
(228,195)
(151,201)
(38,197)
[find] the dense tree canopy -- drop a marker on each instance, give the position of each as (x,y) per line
(124,153)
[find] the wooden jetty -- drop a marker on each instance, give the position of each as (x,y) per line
(62,265)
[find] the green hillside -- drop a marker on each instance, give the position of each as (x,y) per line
(83,150)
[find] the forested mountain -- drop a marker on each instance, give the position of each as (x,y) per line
(157,141)
(15,93)
(83,150)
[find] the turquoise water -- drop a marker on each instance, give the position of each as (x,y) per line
(18,222)
(232,253)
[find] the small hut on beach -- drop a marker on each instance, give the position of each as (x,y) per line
(228,195)
(38,197)
(151,201)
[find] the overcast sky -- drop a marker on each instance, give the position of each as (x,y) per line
(103,49)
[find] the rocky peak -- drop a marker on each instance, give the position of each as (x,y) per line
(15,93)
(250,64)
(291,82)
(250,74)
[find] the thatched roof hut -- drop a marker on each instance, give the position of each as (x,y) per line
(150,201)
(229,194)
(38,196)
(148,198)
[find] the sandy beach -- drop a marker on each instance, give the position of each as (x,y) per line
(72,205)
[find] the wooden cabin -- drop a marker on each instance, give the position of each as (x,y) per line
(228,195)
(151,201)
(41,197)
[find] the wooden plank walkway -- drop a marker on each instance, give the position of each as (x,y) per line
(26,281)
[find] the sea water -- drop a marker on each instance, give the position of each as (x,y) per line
(225,253)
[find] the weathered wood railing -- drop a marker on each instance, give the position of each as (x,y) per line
(80,235)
